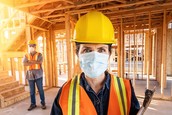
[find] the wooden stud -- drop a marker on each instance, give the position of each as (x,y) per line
(130,49)
(13,64)
(49,81)
(153,54)
(122,50)
(148,77)
(162,81)
(142,51)
(128,38)
(164,48)
(20,70)
(156,51)
(134,77)
(137,55)
(54,59)
(68,37)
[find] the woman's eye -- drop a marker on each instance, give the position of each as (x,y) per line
(101,50)
(86,51)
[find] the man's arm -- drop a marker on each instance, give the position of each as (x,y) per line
(27,62)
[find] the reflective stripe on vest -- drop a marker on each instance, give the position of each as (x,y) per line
(72,103)
(121,93)
(33,58)
(73,100)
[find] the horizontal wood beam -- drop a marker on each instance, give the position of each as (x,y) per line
(71,6)
(141,10)
(36,27)
(121,1)
(127,5)
(31,4)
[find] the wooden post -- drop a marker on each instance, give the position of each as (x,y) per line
(68,37)
(137,55)
(159,54)
(122,50)
(148,75)
(149,52)
(73,52)
(49,81)
(119,52)
(13,71)
(164,48)
(20,70)
(129,55)
(153,54)
(134,82)
(54,59)
(156,50)
(45,59)
(162,81)
(142,51)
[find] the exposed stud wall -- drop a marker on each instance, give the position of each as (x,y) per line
(169,52)
(158,54)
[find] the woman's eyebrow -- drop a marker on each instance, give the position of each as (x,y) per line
(86,47)
(102,47)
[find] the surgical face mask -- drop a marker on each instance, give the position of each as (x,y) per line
(31,49)
(93,64)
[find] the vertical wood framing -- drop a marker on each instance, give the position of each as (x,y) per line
(164,49)
(45,52)
(156,50)
(49,82)
(153,53)
(129,55)
(159,54)
(20,69)
(122,50)
(134,77)
(54,59)
(119,52)
(148,77)
(142,52)
(68,37)
(12,63)
(162,81)
(137,37)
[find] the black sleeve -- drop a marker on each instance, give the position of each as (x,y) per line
(56,109)
(135,106)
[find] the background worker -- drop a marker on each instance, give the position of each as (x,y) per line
(33,61)
(95,91)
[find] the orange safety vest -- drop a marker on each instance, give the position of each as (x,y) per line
(75,101)
(33,58)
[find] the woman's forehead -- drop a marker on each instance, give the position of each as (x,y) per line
(94,45)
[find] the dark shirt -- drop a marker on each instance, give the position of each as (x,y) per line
(99,100)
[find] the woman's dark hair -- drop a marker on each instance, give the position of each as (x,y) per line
(78,46)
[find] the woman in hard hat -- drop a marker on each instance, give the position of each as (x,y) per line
(95,91)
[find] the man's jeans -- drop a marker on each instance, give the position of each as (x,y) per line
(40,89)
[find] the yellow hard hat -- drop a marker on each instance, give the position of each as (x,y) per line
(31,42)
(94,27)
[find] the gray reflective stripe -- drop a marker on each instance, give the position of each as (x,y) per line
(74,96)
(122,95)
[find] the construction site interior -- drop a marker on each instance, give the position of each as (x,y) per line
(142,53)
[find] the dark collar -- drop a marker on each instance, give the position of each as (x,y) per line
(84,83)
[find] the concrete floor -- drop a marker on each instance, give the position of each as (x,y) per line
(157,107)
(20,108)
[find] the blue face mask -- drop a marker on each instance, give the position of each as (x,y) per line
(93,64)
